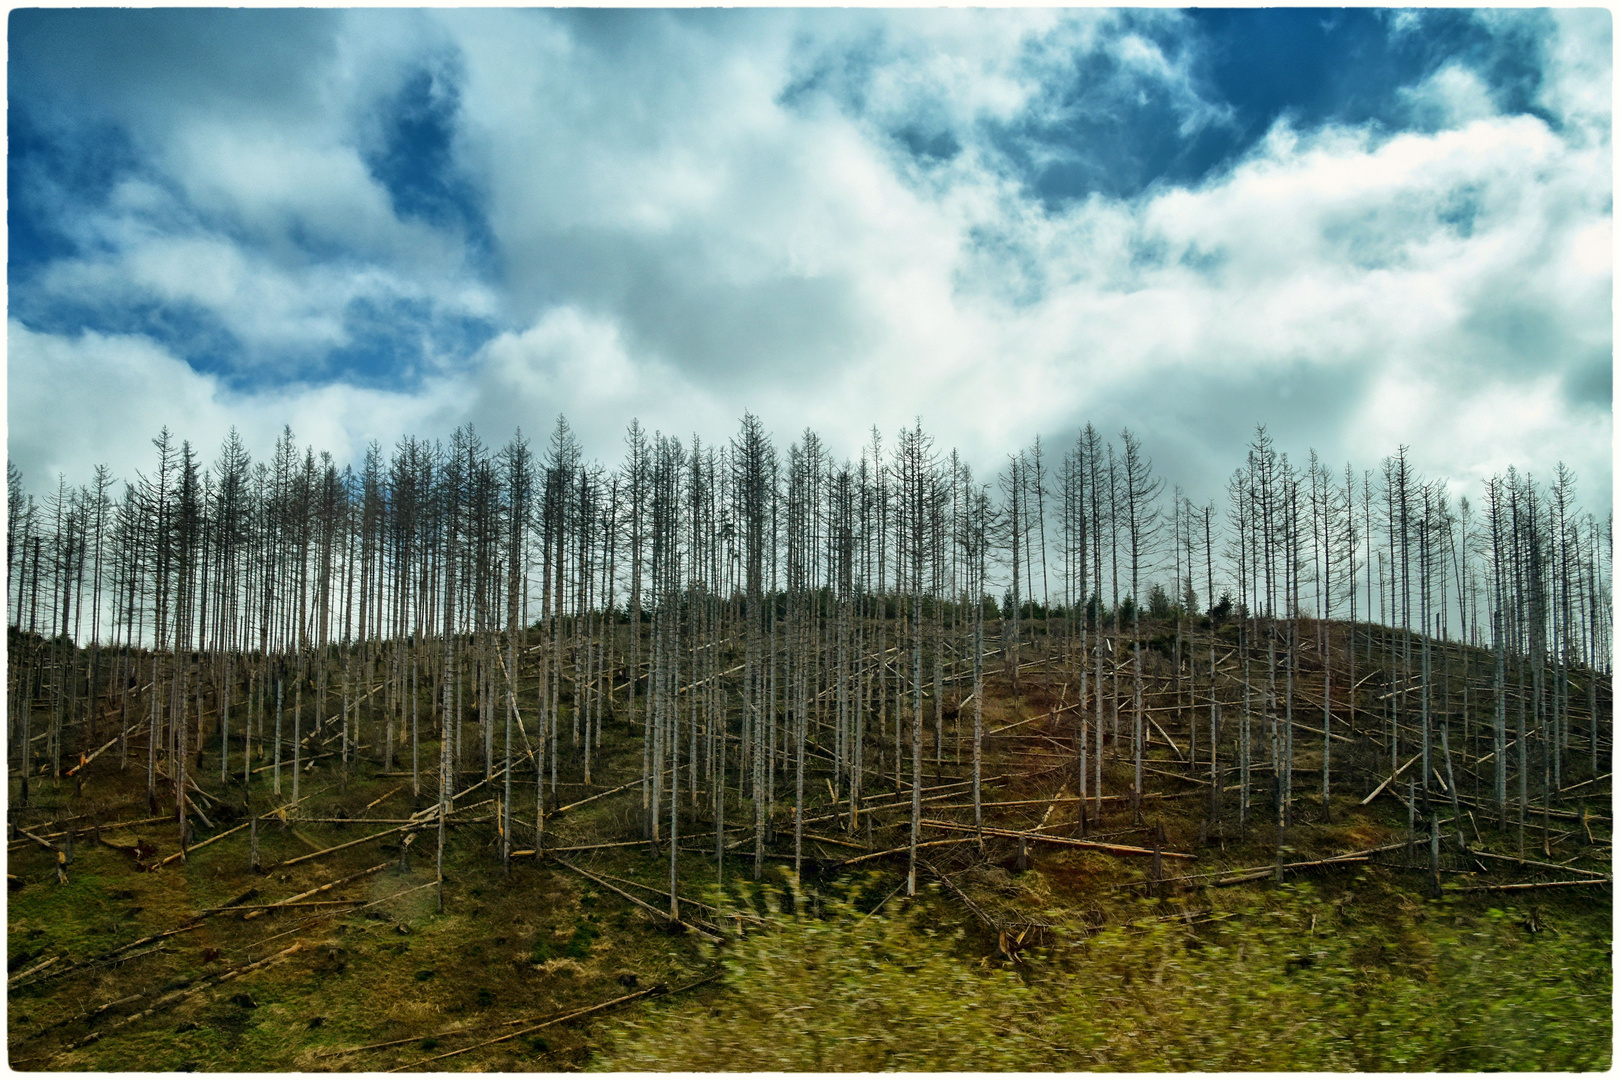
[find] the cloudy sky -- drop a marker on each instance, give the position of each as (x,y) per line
(1361,228)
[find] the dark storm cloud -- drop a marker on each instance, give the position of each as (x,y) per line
(1201,431)
(670,304)
(128,64)
(1589,382)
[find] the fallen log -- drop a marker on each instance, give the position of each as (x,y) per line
(1272,870)
(1583,783)
(177,996)
(450,1034)
(1020,802)
(1536,810)
(659,988)
(1175,775)
(30,971)
(288,765)
(835,843)
(582,847)
(88,1013)
(279,811)
(1317,731)
(352,843)
(710,934)
(205,843)
(1166,735)
(872,808)
(1258,872)
(598,795)
(1530,885)
(1242,878)
(126,958)
(190,924)
(112,826)
(694,903)
(374,802)
(1062,841)
(263,909)
(46,844)
(902,850)
(1379,789)
(1532,862)
(1020,723)
(382,900)
(286,904)
(977,911)
(109,745)
(306,841)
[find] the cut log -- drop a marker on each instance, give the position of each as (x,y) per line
(41,841)
(374,802)
(37,967)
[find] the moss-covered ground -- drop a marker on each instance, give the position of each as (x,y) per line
(1055,957)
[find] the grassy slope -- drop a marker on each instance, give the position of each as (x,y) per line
(1369,973)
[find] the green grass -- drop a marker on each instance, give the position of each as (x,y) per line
(398,969)
(1287,979)
(1357,971)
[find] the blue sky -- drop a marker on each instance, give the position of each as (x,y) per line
(1359,227)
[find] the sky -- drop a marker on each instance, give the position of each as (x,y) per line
(1361,228)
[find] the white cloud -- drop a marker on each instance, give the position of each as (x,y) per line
(281,306)
(283,181)
(1578,83)
(75,402)
(1470,432)
(573,364)
(1455,94)
(680,239)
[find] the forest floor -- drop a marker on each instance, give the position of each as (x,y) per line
(1025,953)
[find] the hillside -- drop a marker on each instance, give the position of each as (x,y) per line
(1159,931)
